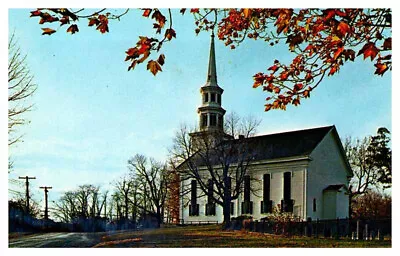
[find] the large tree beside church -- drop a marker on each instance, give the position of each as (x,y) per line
(216,162)
(321,41)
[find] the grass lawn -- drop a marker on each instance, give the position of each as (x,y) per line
(213,236)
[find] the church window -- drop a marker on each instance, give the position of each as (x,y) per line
(213,120)
(287,176)
(247,188)
(212,97)
(266,187)
(314,205)
(210,191)
(219,98)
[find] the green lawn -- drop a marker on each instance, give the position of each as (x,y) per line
(213,236)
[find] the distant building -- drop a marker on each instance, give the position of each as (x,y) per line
(304,172)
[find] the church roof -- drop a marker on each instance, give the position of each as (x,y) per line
(287,144)
(271,146)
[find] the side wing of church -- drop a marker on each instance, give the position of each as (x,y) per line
(304,172)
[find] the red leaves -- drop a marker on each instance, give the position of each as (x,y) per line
(194,10)
(274,68)
(103,24)
(72,29)
(283,76)
(161,59)
(35,13)
(48,31)
(154,67)
(146,12)
(308,77)
(298,86)
(93,21)
(369,50)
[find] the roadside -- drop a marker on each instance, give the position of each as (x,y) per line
(189,236)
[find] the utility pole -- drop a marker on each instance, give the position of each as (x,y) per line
(46,209)
(27,191)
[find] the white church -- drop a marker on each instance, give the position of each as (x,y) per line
(303,172)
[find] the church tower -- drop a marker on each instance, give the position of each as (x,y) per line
(211,113)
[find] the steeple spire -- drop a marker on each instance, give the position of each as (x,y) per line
(212,69)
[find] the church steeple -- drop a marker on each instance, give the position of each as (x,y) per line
(211,112)
(212,69)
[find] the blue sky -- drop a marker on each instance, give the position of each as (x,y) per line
(91,114)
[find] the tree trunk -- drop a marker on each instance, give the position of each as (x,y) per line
(227,214)
(159,217)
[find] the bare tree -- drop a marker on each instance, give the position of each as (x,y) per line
(83,203)
(20,88)
(154,177)
(235,125)
(124,186)
(365,174)
(219,166)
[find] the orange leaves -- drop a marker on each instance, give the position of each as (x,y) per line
(46,17)
(332,70)
(146,12)
(48,31)
(338,52)
(169,33)
(194,10)
(247,12)
(342,29)
(72,29)
(381,68)
(101,23)
(154,67)
(258,80)
(64,20)
(160,20)
(369,50)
